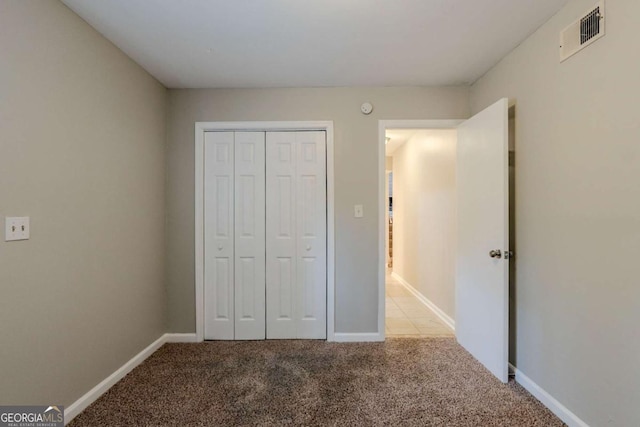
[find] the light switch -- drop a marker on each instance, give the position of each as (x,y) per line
(358,211)
(16,228)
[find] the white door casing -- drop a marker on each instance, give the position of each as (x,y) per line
(296,234)
(482,282)
(249,259)
(219,235)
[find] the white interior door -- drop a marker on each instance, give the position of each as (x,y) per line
(296,234)
(218,235)
(482,280)
(249,256)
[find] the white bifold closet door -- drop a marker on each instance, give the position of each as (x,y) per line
(234,204)
(296,234)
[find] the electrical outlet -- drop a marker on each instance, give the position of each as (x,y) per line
(16,228)
(358,211)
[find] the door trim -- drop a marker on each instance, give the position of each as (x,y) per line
(383,125)
(200,129)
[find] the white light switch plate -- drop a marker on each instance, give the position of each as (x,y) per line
(358,211)
(16,228)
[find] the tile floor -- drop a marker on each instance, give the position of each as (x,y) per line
(406,316)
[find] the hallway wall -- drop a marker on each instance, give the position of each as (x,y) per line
(424,215)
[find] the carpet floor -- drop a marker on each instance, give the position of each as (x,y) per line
(401,382)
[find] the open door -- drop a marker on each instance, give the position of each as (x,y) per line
(482,266)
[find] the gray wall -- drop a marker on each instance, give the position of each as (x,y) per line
(356,168)
(82,153)
(578,212)
(424,215)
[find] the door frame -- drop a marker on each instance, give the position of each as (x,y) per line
(266,126)
(383,125)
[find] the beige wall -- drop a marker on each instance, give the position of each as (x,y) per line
(356,169)
(388,163)
(81,153)
(424,215)
(578,212)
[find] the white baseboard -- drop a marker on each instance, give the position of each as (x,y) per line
(180,338)
(92,395)
(547,400)
(446,319)
(358,337)
(568,417)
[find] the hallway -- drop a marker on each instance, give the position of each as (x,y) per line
(407,316)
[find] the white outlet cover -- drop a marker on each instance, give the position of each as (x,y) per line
(16,228)
(358,211)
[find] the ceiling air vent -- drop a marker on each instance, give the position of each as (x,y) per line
(583,32)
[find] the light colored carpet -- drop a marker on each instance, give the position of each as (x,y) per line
(408,382)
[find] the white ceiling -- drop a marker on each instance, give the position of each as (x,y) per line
(296,43)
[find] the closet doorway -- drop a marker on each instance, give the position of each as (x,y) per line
(264,230)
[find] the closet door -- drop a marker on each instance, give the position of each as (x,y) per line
(249,235)
(312,235)
(218,235)
(296,234)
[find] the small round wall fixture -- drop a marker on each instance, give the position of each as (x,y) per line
(366,108)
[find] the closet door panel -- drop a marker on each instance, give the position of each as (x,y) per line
(249,235)
(219,236)
(311,235)
(281,235)
(296,235)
